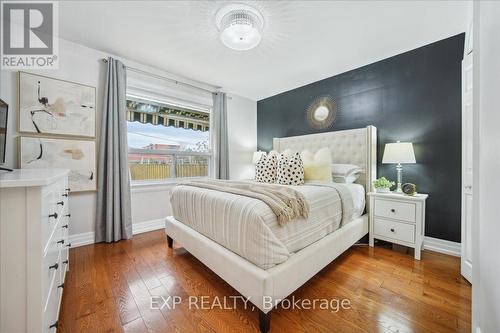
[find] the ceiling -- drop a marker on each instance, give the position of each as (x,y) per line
(303,41)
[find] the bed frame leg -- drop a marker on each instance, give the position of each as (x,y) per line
(170,242)
(264,321)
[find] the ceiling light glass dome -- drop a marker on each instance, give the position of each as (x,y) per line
(240,26)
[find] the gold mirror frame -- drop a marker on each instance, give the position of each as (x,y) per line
(321,102)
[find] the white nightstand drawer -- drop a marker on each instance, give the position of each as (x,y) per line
(405,211)
(395,230)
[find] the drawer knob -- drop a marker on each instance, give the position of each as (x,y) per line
(69,245)
(55,266)
(392,229)
(53,215)
(60,203)
(393,210)
(61,285)
(65,195)
(65,261)
(65,226)
(61,241)
(67,189)
(54,325)
(68,215)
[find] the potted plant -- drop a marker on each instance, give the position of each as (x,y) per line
(383,185)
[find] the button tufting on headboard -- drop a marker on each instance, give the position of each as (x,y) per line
(356,146)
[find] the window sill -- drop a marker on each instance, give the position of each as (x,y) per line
(158,185)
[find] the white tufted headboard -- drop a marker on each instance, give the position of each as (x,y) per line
(356,146)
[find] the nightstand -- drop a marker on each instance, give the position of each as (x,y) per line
(398,218)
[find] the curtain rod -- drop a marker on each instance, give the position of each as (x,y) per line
(140,71)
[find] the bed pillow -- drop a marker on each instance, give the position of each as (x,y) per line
(317,166)
(290,170)
(345,173)
(265,169)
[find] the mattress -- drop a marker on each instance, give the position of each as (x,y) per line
(249,228)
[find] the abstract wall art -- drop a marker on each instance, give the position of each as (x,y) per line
(55,107)
(77,155)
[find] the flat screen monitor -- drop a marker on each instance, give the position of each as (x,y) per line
(4,111)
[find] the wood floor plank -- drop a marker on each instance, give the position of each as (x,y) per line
(110,286)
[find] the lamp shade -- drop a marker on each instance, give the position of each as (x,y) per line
(399,152)
(257,155)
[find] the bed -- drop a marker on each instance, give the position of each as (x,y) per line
(238,239)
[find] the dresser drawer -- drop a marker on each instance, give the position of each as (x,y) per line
(51,313)
(51,262)
(394,230)
(403,211)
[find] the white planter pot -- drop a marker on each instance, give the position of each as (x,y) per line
(382,190)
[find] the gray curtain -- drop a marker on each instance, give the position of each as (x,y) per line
(114,218)
(220,136)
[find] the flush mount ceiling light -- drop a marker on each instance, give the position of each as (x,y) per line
(240,26)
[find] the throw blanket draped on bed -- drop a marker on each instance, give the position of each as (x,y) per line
(285,202)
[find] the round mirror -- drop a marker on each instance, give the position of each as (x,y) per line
(321,112)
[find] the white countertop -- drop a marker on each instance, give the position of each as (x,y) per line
(30,177)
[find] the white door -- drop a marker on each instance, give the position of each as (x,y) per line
(466,255)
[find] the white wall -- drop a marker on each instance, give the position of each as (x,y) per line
(242,124)
(486,247)
(83,65)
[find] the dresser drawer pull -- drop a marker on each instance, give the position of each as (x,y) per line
(65,261)
(55,266)
(61,285)
(68,215)
(65,195)
(54,325)
(69,245)
(60,203)
(393,210)
(54,215)
(65,226)
(392,229)
(60,242)
(67,189)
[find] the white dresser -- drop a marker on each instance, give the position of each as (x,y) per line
(34,223)
(398,218)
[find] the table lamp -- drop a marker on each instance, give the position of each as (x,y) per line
(399,153)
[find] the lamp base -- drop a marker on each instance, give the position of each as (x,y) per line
(399,169)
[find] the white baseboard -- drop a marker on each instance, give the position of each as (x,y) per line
(87,238)
(140,227)
(442,246)
(84,238)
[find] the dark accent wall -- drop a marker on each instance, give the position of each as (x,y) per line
(414,96)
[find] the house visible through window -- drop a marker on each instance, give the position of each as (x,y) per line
(167,141)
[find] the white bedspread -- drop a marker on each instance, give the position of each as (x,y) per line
(248,227)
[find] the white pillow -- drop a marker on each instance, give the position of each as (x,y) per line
(317,166)
(290,170)
(346,179)
(345,173)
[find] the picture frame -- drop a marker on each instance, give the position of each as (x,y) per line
(54,107)
(78,155)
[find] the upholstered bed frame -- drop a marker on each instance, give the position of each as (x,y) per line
(266,287)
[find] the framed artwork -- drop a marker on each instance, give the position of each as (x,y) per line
(55,107)
(77,155)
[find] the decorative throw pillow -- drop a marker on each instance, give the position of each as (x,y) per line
(290,170)
(265,170)
(317,166)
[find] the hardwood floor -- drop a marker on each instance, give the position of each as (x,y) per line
(109,289)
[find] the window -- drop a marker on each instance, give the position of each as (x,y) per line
(167,141)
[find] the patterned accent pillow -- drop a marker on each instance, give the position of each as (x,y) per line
(290,170)
(265,170)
